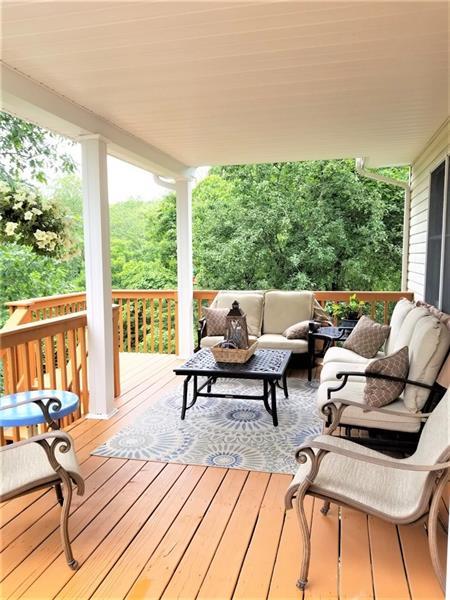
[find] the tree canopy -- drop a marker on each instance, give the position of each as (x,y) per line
(28,152)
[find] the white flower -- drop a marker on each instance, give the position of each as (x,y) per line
(11,227)
(40,235)
(4,187)
(45,204)
(20,195)
(31,201)
(18,205)
(28,215)
(36,211)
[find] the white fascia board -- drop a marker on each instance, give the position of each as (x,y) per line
(34,102)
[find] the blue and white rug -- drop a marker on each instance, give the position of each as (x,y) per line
(237,434)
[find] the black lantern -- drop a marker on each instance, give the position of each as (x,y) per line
(236,330)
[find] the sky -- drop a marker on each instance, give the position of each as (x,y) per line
(127,181)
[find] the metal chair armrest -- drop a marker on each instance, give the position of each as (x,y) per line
(53,402)
(346,374)
(37,439)
(382,462)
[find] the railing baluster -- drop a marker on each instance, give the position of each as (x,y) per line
(75,382)
(120,324)
(128,326)
(169,326)
(62,360)
(84,380)
(144,323)
(136,325)
(39,364)
(152,324)
(160,327)
(50,361)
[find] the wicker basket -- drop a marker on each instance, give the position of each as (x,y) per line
(232,355)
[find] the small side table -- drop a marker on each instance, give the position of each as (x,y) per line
(59,403)
(329,335)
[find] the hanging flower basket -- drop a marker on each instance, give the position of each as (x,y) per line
(28,219)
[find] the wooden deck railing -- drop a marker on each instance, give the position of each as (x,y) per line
(50,353)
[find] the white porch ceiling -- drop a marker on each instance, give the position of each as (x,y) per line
(243,82)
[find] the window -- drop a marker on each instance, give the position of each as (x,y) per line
(437,281)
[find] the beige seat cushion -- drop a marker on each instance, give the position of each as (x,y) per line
(212,340)
(283,309)
(331,369)
(428,348)
(353,415)
(252,303)
(278,341)
(395,493)
(24,465)
(342,355)
(401,310)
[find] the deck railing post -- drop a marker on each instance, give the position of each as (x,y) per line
(184,268)
(98,278)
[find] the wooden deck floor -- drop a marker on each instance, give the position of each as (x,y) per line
(152,530)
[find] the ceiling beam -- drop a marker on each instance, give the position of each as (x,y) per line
(29,100)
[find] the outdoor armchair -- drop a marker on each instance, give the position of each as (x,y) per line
(46,460)
(401,491)
(336,403)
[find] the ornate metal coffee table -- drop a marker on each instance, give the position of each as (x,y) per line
(268,366)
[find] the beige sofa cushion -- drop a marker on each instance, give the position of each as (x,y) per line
(364,418)
(342,355)
(279,342)
(428,348)
(401,310)
(404,335)
(212,340)
(331,369)
(252,303)
(283,309)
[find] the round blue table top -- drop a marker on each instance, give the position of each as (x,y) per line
(31,414)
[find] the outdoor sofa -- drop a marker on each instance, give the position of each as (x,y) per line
(269,314)
(426,333)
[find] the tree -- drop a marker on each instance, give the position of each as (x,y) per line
(28,151)
(310,225)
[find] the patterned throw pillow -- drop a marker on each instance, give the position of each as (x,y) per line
(379,392)
(216,320)
(299,331)
(367,337)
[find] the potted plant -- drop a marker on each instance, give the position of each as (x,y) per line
(346,314)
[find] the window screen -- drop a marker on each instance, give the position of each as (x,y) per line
(435,220)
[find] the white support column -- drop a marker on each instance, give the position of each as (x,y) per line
(184,269)
(98,278)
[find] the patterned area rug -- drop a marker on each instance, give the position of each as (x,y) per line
(219,432)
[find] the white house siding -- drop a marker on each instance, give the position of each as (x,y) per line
(431,156)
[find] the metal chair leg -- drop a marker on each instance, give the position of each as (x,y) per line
(64,523)
(432,530)
(59,494)
(306,539)
(325,508)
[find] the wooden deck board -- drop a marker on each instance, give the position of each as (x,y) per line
(153,530)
